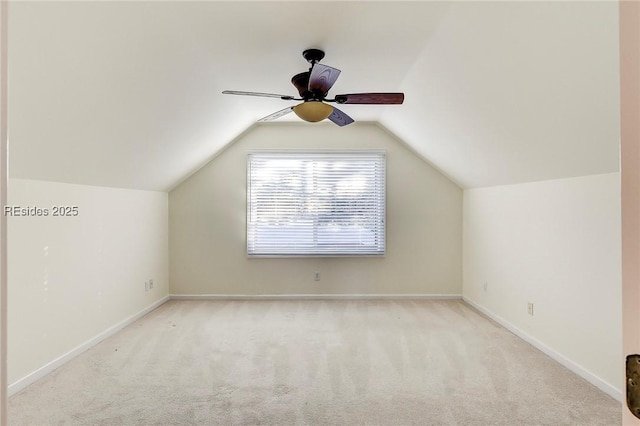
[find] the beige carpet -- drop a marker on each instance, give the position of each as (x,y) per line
(313,362)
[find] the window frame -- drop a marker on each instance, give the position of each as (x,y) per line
(304,152)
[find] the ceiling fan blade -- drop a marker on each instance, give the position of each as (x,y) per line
(370,98)
(340,118)
(322,78)
(264,95)
(277,114)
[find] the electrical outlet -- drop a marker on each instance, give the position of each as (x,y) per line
(485,286)
(530,309)
(150,284)
(316,276)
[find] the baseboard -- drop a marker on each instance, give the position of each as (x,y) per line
(316,297)
(576,368)
(49,367)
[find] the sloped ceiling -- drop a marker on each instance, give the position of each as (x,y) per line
(128,94)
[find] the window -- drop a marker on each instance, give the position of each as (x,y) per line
(316,203)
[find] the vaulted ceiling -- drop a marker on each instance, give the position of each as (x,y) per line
(128,94)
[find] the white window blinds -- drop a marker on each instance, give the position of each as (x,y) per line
(316,204)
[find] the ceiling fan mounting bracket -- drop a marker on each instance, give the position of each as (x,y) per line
(313,55)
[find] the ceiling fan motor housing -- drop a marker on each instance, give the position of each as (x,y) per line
(301,81)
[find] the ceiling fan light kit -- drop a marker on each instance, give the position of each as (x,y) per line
(313,86)
(313,111)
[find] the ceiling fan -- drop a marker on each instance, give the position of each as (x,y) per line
(313,86)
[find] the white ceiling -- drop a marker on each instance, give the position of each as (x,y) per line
(127,94)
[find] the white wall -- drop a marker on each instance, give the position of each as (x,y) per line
(72,278)
(557,244)
(207,222)
(4,174)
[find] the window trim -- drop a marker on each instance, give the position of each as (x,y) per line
(294,151)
